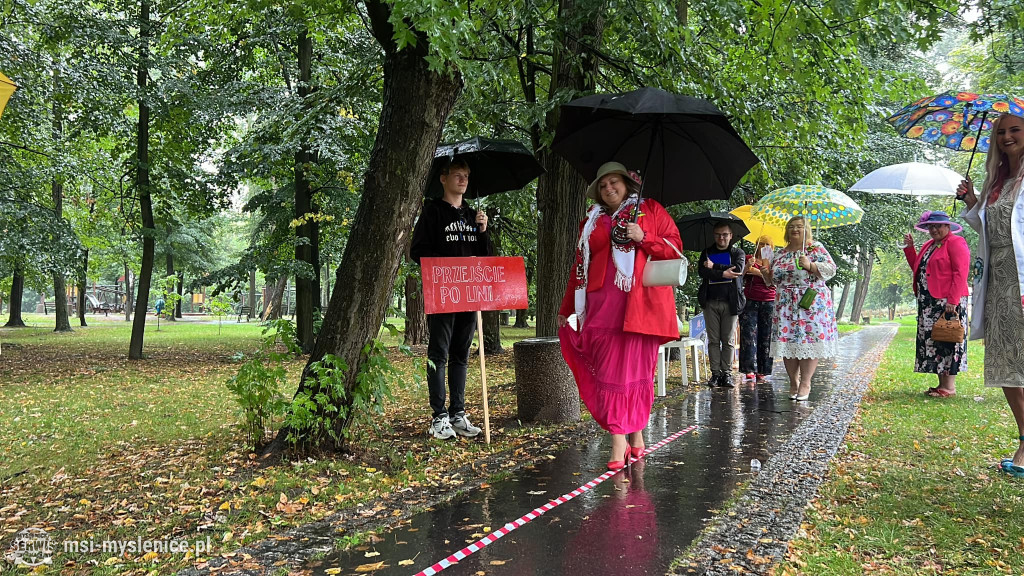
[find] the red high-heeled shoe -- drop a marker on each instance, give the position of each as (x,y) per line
(616,465)
(637,451)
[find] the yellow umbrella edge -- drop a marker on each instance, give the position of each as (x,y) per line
(759,227)
(6,89)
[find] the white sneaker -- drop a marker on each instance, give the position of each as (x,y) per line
(462,426)
(441,428)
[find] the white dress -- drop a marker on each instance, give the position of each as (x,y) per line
(800,333)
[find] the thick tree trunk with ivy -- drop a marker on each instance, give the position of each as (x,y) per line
(416,103)
(14,319)
(307,288)
(560,197)
(143,190)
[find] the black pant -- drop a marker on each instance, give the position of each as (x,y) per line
(450,337)
(756,337)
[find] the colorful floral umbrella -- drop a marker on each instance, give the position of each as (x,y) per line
(823,207)
(6,89)
(955,120)
(759,227)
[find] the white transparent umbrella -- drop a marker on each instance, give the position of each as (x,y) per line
(912,178)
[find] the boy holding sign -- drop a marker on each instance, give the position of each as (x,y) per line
(449,227)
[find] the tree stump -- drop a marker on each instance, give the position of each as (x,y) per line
(545,388)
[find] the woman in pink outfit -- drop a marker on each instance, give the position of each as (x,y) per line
(619,322)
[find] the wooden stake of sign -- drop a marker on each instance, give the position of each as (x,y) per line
(483,376)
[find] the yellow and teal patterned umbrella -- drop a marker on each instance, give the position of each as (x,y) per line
(823,207)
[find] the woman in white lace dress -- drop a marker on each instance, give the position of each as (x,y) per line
(802,334)
(998,315)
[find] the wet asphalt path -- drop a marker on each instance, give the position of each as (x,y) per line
(637,521)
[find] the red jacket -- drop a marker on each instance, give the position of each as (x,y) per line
(947,267)
(649,310)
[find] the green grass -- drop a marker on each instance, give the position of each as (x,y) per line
(95,446)
(915,490)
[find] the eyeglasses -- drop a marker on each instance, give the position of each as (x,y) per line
(725,235)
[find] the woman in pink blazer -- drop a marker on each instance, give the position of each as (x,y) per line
(940,284)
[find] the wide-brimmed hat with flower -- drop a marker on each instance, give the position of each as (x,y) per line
(632,183)
(929,218)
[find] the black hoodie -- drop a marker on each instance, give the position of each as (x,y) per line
(446,231)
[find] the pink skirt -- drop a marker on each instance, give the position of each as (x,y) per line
(614,370)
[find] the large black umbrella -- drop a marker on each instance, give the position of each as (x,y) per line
(697,230)
(494,166)
(684,147)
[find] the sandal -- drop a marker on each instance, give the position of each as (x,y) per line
(940,393)
(1011,469)
(929,391)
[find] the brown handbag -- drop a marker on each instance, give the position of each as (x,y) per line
(948,330)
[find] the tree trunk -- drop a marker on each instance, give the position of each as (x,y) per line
(560,197)
(272,308)
(415,316)
(416,103)
(492,332)
(14,319)
(842,301)
(142,185)
(170,272)
(181,294)
(252,293)
(864,266)
(60,292)
(522,314)
(82,279)
(307,289)
(129,294)
(492,318)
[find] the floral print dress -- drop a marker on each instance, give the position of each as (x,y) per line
(945,358)
(801,333)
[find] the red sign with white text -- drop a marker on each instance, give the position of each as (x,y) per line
(473,283)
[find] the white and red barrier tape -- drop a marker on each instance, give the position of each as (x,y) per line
(536,513)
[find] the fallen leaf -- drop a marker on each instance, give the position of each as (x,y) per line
(370,567)
(405,562)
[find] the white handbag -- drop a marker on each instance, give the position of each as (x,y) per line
(666,272)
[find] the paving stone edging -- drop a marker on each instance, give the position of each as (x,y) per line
(766,516)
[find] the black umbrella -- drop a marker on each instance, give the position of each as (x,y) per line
(684,147)
(494,166)
(697,230)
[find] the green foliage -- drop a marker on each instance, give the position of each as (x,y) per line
(220,306)
(324,415)
(257,385)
